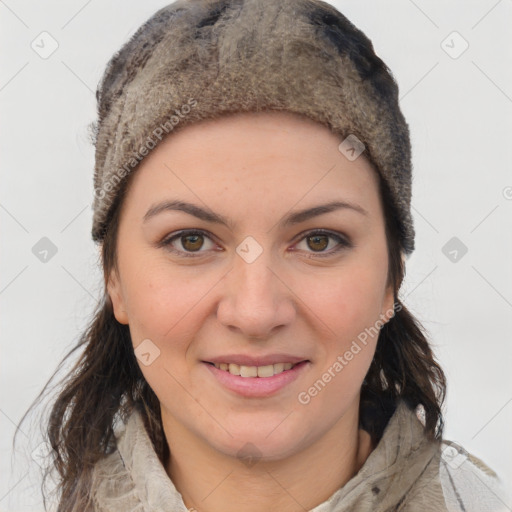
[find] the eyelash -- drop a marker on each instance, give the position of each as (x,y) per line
(343,242)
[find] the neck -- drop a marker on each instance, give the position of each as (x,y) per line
(211,481)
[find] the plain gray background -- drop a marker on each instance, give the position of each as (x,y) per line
(458,106)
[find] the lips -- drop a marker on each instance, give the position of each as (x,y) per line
(256,381)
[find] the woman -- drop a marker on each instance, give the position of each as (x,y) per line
(252,205)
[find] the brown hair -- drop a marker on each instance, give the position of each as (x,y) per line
(106,383)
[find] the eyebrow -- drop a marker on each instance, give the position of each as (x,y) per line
(289,220)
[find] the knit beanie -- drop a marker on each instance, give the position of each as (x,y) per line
(200,59)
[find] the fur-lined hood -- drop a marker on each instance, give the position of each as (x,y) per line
(405,472)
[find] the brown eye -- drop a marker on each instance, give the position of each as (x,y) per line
(318,242)
(188,243)
(192,242)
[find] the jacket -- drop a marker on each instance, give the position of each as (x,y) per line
(405,472)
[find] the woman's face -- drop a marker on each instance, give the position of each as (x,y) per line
(227,256)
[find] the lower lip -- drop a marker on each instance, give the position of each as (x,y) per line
(257,386)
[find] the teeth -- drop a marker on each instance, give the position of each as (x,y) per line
(234,369)
(248,371)
(265,371)
(254,371)
(278,368)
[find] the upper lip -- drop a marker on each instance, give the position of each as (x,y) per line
(246,360)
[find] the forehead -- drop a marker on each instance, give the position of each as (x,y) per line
(265,160)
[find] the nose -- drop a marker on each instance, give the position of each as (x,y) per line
(256,301)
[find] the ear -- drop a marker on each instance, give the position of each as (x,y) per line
(388,304)
(115,292)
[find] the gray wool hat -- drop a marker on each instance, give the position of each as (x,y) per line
(198,59)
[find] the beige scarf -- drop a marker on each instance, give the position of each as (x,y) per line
(405,472)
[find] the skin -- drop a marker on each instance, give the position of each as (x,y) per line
(254,169)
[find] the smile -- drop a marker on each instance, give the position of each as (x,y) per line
(256,381)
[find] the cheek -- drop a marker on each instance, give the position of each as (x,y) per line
(163,303)
(166,306)
(350,308)
(349,301)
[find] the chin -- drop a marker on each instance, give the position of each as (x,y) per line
(250,450)
(259,440)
